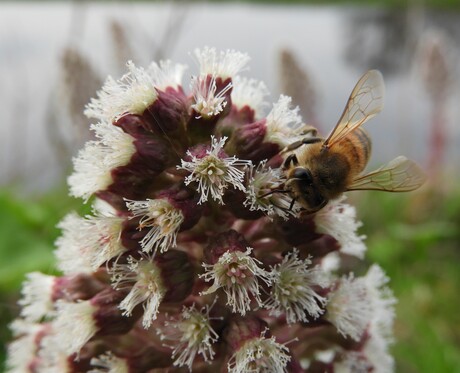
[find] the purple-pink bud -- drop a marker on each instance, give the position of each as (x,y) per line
(152,156)
(201,126)
(147,359)
(169,113)
(131,235)
(76,287)
(242,329)
(186,201)
(221,243)
(108,317)
(296,232)
(248,142)
(177,274)
(234,120)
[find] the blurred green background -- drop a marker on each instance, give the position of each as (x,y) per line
(415,237)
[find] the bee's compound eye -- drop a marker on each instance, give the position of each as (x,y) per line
(303,174)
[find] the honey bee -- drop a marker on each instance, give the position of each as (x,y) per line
(318,170)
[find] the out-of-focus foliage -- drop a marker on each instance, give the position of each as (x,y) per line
(28,231)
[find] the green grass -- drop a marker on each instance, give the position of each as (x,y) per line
(415,237)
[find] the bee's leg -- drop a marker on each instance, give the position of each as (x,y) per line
(292,204)
(304,141)
(309,130)
(292,158)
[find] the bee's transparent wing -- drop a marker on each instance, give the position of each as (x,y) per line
(398,175)
(366,101)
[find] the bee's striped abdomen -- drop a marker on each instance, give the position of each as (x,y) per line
(358,145)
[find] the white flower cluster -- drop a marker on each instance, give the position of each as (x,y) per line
(135,91)
(97,159)
(195,235)
(214,173)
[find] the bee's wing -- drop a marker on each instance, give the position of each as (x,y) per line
(366,101)
(398,175)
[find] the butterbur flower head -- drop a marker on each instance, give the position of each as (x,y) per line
(249,93)
(71,255)
(228,241)
(266,137)
(253,349)
(376,352)
(223,64)
(37,296)
(352,362)
(212,171)
(76,324)
(383,302)
(104,233)
(138,358)
(195,255)
(348,307)
(161,219)
(362,304)
(294,290)
(95,238)
(373,356)
(135,91)
(166,75)
(262,193)
(190,334)
(284,124)
(247,106)
(338,220)
(109,363)
(150,280)
(260,354)
(239,274)
(209,100)
(372,326)
(23,351)
(54,359)
(142,277)
(94,164)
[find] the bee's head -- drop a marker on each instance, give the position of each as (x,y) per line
(301,183)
